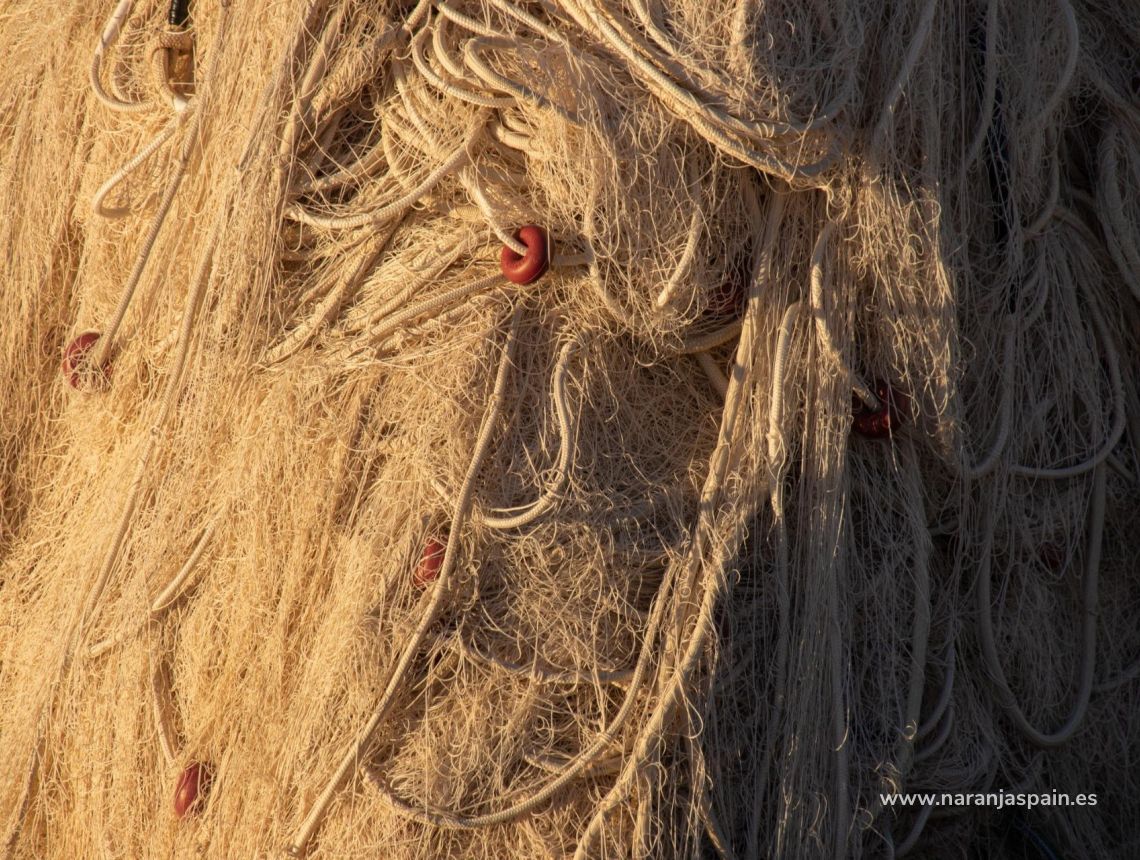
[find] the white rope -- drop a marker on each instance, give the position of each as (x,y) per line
(688,255)
(898,86)
(567,429)
(107,40)
(460,156)
(1120,417)
(715,375)
(1067,72)
(452,90)
(989,88)
(470,179)
(823,331)
(127,169)
(1087,664)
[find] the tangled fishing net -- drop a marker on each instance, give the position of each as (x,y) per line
(568,428)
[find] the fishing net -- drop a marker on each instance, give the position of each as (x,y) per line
(568,428)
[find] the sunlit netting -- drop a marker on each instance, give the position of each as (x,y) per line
(568,428)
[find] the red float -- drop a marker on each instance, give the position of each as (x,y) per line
(431,561)
(75,359)
(193,786)
(882,422)
(529,267)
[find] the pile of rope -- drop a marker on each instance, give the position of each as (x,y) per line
(568,428)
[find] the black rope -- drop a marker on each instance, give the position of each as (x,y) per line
(179,13)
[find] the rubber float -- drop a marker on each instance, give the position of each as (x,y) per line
(529,267)
(191,789)
(431,562)
(75,369)
(882,422)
